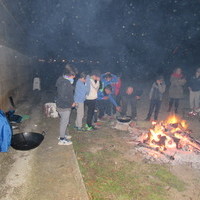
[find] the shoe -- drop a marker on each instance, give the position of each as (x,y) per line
(89,128)
(147,119)
(68,137)
(81,129)
(64,142)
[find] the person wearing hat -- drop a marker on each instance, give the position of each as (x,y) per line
(194,88)
(156,94)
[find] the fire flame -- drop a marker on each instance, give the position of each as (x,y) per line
(172,133)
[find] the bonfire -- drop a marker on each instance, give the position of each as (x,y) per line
(171,134)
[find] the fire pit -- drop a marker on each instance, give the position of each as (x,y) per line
(168,141)
(171,134)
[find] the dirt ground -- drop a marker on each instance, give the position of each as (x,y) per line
(51,171)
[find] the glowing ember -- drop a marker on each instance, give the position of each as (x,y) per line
(172,133)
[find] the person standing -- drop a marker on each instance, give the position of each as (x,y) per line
(79,98)
(194,88)
(36,83)
(156,94)
(93,83)
(64,102)
(177,81)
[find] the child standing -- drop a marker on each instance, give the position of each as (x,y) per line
(65,102)
(156,94)
(194,88)
(79,98)
(93,83)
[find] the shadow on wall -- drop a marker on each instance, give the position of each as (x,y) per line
(15,75)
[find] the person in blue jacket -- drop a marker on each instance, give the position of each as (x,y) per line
(103,101)
(109,79)
(81,91)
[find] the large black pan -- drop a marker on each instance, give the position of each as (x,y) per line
(125,119)
(26,141)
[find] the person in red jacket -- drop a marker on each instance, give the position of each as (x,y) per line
(117,89)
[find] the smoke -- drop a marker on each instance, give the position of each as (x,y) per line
(123,35)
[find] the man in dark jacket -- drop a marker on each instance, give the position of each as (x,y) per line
(194,88)
(129,96)
(64,102)
(155,96)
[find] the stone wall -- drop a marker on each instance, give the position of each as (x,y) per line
(15,75)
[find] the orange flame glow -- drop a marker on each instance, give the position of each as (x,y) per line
(170,134)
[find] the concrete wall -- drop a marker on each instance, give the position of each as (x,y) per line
(15,67)
(15,75)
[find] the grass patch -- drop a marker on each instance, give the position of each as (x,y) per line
(108,176)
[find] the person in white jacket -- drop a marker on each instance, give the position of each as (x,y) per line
(36,83)
(93,83)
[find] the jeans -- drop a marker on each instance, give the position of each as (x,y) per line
(194,99)
(155,105)
(90,113)
(80,114)
(64,120)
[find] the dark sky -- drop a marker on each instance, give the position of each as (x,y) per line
(140,35)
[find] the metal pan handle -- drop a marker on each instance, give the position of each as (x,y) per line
(44,133)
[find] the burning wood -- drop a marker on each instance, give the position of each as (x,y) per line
(170,134)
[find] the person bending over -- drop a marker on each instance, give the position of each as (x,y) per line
(103,102)
(130,96)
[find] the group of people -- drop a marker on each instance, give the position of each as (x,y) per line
(104,94)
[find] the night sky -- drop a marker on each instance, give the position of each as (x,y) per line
(137,36)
